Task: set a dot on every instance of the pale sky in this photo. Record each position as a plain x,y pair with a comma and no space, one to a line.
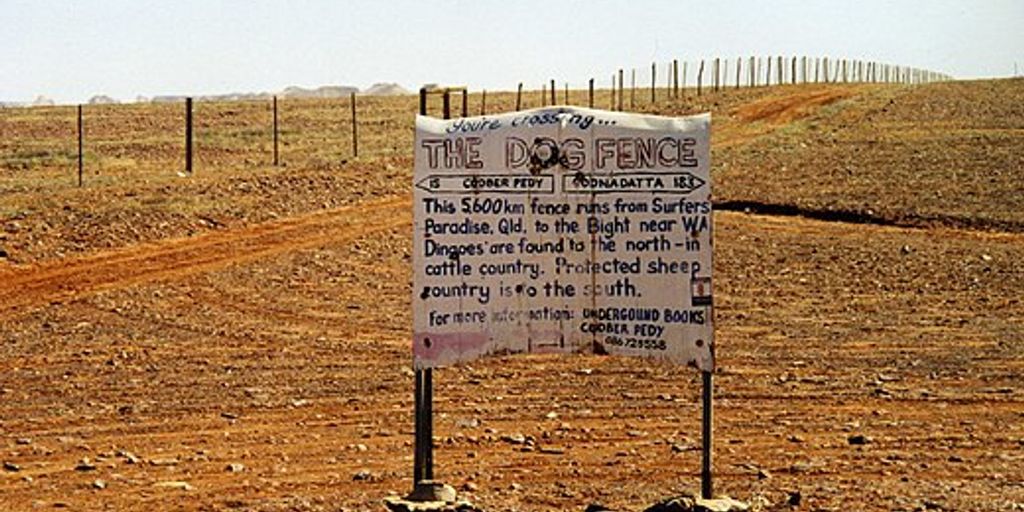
70,51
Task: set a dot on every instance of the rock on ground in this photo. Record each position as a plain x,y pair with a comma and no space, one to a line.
694,504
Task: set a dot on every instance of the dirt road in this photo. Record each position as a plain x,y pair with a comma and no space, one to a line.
69,279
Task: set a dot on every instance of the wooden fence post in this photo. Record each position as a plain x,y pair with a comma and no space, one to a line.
188,136
675,78
465,102
566,93
519,97
654,71
621,76
700,77
80,135
714,70
483,102
554,99
543,94
590,94
792,78
276,160
355,127
768,73
781,70
739,65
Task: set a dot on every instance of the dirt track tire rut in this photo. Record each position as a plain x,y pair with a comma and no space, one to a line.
60,280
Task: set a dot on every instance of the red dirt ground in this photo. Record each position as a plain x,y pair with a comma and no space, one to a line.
283,345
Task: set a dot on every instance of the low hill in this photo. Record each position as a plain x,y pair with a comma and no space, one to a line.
102,100
324,92
385,89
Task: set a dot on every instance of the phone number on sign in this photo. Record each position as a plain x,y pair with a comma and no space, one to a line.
638,343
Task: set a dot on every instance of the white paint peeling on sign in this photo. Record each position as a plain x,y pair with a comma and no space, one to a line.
562,229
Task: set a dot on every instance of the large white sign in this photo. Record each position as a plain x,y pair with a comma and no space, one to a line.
562,230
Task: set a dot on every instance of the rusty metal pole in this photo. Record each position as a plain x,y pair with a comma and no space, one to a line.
620,89
355,127
275,160
675,78
417,465
80,135
428,373
418,449
654,84
188,136
700,77
428,424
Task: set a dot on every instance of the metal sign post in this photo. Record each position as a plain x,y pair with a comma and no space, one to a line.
706,486
423,457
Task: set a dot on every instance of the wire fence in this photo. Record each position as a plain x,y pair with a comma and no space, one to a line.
103,144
